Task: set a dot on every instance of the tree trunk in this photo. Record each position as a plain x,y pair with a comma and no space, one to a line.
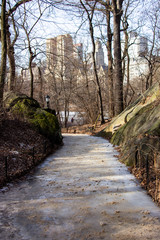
66,113
10,52
31,58
98,84
41,86
32,76
150,74
117,11
4,50
126,66
128,81
11,59
110,62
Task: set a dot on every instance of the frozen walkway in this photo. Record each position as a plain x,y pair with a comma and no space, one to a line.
81,192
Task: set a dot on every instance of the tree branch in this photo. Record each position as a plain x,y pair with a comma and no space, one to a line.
13,9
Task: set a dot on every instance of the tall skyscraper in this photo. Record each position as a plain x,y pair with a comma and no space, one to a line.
99,54
59,51
138,45
51,52
137,50
78,52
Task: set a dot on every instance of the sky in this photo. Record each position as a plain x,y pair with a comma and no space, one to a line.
56,22
60,22
52,24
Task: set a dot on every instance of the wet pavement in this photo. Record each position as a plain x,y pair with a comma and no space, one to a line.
80,192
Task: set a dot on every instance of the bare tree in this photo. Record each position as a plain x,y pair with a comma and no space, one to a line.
4,50
60,76
117,13
28,29
114,7
126,57
84,96
152,56
5,38
90,14
106,10
110,59
11,55
11,42
129,9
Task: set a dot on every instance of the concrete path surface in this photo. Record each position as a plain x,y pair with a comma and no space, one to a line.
81,192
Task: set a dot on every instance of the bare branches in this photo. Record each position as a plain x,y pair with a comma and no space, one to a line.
90,14
13,9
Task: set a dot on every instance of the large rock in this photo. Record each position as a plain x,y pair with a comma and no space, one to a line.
146,121
138,128
27,109
138,134
148,97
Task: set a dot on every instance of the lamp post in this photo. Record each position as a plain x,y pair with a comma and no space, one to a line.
47,100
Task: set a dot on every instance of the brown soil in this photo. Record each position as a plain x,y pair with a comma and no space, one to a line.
149,185
90,129
21,148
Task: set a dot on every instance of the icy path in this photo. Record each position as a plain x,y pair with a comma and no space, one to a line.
79,193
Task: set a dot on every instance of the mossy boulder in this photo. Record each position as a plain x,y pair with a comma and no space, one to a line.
138,128
47,124
28,109
145,122
141,132
12,97
139,139
23,107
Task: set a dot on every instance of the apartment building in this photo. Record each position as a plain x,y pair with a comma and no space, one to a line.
59,52
78,52
99,54
138,49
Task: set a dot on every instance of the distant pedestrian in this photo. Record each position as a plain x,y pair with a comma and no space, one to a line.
72,120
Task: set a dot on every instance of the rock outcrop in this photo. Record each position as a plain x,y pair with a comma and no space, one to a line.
140,120
137,131
28,109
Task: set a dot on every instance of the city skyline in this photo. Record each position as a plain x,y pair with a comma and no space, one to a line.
61,49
